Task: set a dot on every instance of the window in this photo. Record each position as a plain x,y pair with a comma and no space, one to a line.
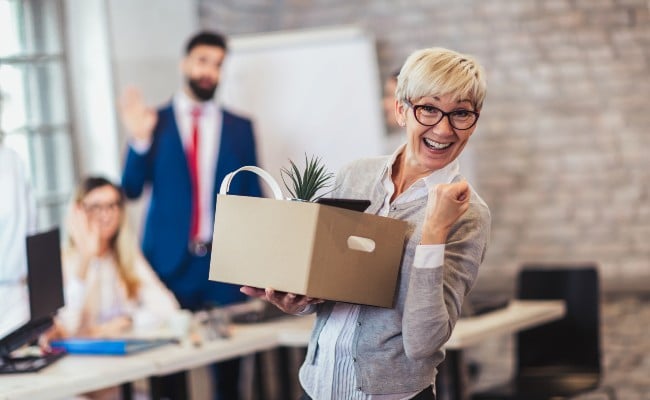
34,103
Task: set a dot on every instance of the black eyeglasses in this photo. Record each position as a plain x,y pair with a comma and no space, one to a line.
97,208
430,116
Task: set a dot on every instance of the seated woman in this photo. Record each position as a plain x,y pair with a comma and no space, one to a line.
109,286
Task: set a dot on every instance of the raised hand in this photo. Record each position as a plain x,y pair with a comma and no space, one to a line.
138,119
290,303
85,235
447,203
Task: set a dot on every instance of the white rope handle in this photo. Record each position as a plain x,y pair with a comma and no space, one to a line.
270,181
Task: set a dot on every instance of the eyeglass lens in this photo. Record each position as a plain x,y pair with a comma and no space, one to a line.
430,116
98,207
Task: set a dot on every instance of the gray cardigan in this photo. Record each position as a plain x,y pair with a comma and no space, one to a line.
398,349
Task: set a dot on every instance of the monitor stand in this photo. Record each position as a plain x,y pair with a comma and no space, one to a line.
17,365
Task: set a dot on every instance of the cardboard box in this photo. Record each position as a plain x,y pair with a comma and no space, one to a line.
307,248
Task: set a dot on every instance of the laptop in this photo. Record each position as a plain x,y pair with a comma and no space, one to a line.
44,293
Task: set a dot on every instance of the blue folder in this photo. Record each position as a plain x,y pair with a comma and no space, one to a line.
108,346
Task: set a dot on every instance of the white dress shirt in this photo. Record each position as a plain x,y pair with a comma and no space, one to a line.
210,123
209,140
17,220
332,377
102,295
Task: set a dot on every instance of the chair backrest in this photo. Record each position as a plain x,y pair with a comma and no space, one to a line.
572,343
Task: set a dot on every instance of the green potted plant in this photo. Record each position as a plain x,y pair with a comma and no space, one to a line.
307,184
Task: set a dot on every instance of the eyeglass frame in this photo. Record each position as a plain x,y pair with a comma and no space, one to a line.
98,208
444,114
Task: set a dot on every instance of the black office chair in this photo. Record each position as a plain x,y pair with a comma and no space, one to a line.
560,359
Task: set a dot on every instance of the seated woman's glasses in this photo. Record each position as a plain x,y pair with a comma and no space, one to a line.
96,208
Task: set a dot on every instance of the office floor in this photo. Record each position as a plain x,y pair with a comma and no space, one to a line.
625,343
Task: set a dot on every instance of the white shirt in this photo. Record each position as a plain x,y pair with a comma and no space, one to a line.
17,220
209,140
210,123
102,295
333,375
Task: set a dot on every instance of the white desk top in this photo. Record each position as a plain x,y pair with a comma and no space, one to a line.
169,359
519,315
78,374
75,374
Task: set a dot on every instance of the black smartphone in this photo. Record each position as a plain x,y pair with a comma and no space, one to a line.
349,204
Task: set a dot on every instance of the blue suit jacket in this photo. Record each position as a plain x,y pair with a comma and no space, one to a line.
164,167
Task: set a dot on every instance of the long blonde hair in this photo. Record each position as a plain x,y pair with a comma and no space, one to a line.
123,244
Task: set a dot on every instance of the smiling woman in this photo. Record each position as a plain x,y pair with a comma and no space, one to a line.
449,225
109,287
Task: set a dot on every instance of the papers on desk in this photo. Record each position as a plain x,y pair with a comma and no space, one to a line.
108,346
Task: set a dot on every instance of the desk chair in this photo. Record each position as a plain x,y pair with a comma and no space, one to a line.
560,359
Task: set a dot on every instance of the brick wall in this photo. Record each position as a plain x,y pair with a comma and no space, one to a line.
562,148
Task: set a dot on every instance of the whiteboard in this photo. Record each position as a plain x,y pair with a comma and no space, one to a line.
314,92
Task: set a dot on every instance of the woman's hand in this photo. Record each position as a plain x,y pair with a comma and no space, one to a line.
290,303
113,328
447,203
85,235
56,332
138,119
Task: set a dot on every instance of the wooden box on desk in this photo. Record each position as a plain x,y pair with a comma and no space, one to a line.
307,248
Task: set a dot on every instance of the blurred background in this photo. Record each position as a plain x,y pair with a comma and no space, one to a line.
560,153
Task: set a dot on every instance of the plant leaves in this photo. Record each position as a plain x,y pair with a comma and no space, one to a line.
307,183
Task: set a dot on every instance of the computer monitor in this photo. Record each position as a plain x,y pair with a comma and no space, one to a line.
41,294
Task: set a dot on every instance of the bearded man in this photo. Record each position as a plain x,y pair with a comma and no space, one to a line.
182,151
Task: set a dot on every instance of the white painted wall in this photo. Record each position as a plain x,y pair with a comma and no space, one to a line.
148,39
91,82
112,44
312,91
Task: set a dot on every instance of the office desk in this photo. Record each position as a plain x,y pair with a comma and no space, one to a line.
73,375
77,374
519,315
186,356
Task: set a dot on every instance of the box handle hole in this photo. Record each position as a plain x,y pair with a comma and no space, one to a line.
361,244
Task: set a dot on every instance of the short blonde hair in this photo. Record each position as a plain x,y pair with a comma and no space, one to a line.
437,71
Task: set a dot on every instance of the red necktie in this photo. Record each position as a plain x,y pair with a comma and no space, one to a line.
193,161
